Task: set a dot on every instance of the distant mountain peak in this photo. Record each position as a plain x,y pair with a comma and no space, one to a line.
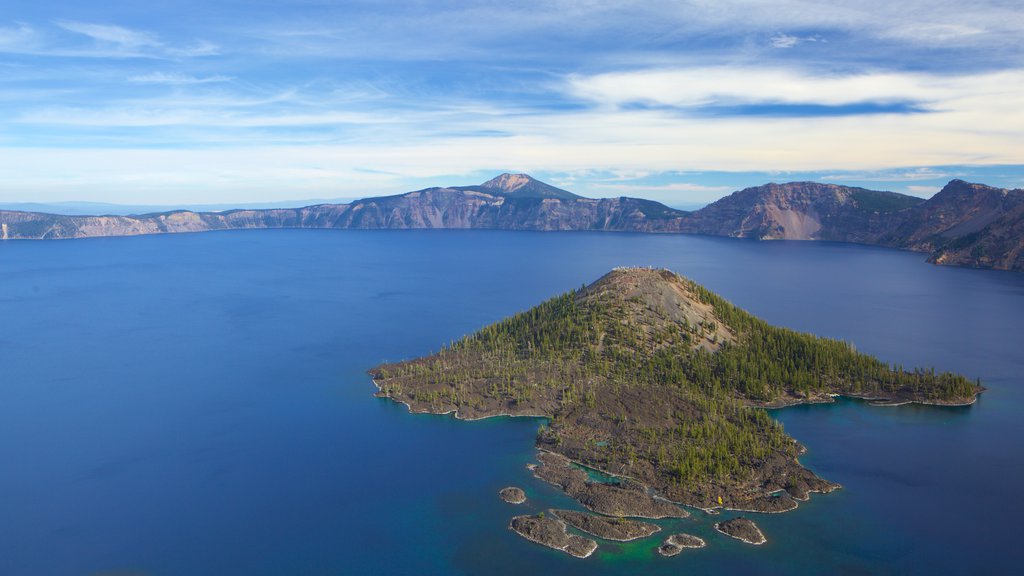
524,186
509,182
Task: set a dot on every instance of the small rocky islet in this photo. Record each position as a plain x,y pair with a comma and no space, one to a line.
550,531
742,529
512,495
676,543
662,386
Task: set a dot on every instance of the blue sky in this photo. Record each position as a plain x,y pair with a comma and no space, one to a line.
225,101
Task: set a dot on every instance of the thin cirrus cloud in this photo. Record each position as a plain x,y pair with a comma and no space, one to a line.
117,35
174,78
704,86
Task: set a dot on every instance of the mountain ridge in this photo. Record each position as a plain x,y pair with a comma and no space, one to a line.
964,224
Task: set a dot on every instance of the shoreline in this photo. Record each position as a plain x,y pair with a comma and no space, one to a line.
879,401
684,506
454,412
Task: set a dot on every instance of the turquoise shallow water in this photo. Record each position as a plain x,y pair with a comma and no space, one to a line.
198,404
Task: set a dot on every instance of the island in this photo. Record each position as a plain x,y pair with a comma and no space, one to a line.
605,527
657,382
743,530
549,531
512,495
676,543
655,392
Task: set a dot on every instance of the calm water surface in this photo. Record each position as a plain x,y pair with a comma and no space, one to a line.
198,404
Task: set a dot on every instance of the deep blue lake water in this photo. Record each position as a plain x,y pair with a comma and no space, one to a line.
198,404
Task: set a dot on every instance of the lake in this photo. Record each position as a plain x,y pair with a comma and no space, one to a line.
198,404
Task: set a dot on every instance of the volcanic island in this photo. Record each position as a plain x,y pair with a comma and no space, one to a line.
662,386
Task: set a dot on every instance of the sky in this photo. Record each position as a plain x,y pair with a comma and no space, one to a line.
231,101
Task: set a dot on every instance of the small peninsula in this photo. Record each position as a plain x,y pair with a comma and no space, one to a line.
661,385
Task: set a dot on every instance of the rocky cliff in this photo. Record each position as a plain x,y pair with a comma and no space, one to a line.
801,211
964,224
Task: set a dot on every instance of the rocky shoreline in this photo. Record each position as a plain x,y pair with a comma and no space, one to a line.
627,498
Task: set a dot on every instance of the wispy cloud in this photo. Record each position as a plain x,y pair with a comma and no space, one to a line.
17,37
729,85
783,40
175,78
119,36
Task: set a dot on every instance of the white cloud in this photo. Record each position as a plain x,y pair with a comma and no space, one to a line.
125,38
176,78
16,37
784,41
731,85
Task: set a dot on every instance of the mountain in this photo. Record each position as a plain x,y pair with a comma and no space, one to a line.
964,224
649,376
524,186
801,211
510,201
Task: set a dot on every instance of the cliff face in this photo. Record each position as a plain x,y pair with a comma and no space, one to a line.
999,244
801,211
958,211
510,202
964,224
